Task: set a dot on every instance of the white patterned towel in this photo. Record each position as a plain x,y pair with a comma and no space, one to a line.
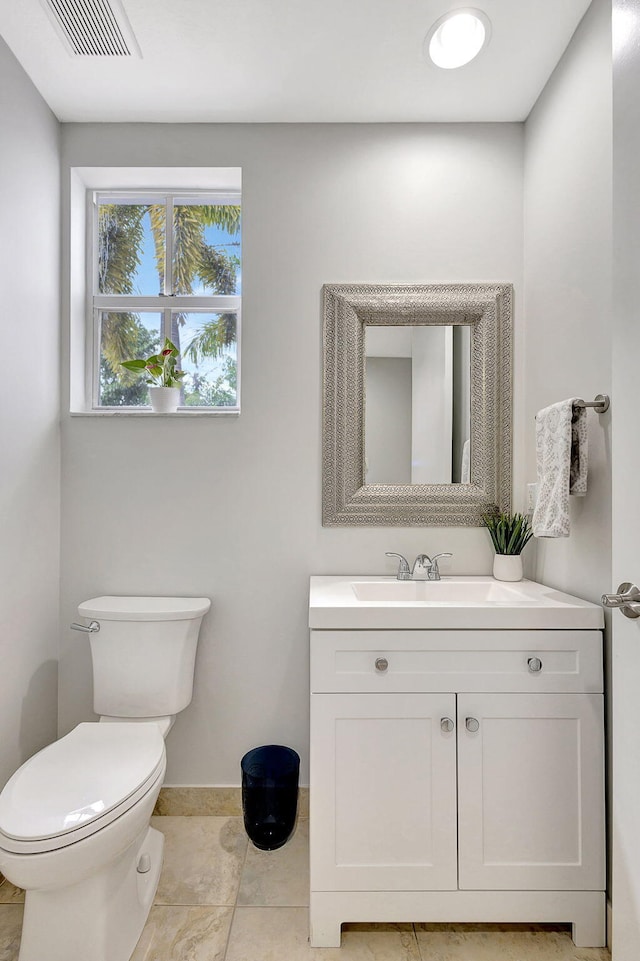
561,454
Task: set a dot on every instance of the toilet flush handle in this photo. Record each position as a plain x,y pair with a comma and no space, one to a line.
93,627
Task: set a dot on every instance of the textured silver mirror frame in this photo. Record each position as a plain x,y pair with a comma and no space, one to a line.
346,500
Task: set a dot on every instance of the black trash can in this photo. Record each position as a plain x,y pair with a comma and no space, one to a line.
270,794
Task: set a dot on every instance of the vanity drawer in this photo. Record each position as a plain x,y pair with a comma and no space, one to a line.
433,661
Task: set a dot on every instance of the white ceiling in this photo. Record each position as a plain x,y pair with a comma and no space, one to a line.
294,61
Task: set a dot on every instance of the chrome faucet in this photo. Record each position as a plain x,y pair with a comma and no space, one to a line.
422,568
425,568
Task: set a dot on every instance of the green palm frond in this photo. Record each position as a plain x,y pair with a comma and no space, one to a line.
158,220
218,271
226,216
120,339
120,235
213,338
188,234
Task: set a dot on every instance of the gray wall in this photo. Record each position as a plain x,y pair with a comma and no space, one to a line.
29,480
241,498
568,267
567,201
388,415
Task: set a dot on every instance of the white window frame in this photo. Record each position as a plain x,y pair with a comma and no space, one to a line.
166,302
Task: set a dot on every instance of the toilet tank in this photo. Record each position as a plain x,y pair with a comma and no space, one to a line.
144,653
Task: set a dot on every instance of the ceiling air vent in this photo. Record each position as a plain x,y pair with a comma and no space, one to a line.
93,28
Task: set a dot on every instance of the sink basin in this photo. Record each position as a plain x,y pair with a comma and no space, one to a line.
377,603
447,591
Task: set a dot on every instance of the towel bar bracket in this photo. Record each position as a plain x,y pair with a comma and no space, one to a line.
600,404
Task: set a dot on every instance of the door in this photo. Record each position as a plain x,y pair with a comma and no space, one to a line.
531,792
383,783
625,632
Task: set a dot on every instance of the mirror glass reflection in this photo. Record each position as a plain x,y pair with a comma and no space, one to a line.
417,404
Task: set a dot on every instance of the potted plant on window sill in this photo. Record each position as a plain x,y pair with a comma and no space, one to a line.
162,376
510,534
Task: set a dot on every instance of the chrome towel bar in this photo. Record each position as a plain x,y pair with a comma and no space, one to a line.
600,404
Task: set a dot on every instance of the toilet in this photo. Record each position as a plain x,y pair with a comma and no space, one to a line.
74,819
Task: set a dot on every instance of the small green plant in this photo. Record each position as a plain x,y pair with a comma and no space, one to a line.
510,533
159,368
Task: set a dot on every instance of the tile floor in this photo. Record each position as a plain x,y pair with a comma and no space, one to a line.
220,899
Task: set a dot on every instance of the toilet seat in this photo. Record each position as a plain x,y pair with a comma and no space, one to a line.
79,784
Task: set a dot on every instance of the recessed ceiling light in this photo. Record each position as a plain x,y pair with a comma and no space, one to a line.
457,37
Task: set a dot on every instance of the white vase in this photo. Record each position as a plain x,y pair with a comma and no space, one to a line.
164,400
507,567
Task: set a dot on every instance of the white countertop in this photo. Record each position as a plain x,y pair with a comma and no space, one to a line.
354,603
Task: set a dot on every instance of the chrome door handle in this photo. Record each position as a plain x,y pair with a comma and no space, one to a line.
627,599
446,725
381,664
534,664
472,724
93,628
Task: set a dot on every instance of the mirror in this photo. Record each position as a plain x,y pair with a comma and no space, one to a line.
417,404
417,412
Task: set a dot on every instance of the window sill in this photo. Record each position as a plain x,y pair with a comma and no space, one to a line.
151,413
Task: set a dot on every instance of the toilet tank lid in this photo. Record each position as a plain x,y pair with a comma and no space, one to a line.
144,608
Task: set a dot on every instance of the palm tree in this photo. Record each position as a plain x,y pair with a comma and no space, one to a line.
194,258
121,235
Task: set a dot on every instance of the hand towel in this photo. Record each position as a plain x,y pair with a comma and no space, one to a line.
561,454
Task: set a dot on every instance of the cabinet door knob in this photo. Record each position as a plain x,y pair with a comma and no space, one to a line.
472,724
446,725
381,664
535,665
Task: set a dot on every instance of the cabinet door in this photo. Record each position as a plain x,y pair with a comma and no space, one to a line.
531,791
383,792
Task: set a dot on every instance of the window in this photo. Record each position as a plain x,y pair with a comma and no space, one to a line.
166,265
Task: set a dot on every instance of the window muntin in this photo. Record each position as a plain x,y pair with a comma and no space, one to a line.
186,280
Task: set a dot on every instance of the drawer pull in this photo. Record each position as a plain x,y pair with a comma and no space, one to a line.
446,725
535,665
381,664
472,724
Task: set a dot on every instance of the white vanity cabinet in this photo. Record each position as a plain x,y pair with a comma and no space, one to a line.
457,775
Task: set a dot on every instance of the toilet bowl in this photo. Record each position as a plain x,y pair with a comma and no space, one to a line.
74,819
74,832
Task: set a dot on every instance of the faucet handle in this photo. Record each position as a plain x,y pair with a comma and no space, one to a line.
404,572
434,561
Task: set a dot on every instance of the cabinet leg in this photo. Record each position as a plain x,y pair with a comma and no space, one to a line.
590,930
325,930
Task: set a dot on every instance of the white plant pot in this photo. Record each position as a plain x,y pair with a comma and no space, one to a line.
507,567
164,400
